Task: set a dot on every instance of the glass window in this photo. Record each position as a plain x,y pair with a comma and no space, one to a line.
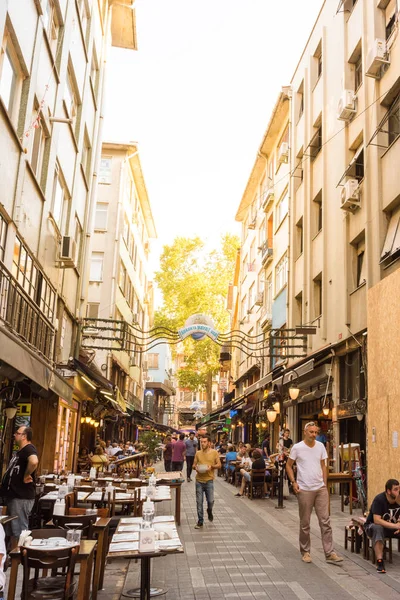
152,361
358,73
10,78
282,208
78,239
101,216
122,277
51,24
281,274
96,266
3,236
70,98
105,169
86,154
38,145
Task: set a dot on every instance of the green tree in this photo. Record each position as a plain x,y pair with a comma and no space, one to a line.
193,279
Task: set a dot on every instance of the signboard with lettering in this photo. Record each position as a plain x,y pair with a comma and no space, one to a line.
345,410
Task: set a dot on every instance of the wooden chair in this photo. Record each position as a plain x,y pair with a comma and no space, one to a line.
60,586
71,500
100,512
256,483
83,522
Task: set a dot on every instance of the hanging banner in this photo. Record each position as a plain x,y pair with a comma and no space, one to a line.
198,326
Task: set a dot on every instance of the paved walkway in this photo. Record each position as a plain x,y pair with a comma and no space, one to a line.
251,551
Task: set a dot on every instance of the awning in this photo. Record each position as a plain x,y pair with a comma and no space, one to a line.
165,389
356,163
258,384
392,239
214,416
97,378
60,387
20,357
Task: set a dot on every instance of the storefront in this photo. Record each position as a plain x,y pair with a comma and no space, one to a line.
66,438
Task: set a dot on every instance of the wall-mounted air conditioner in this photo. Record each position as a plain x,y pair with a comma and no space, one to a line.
346,105
376,57
350,196
283,152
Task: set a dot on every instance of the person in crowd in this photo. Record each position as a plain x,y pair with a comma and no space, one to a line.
18,485
168,453
286,440
109,447
205,463
178,453
383,520
100,459
257,463
230,455
83,460
246,461
191,449
265,446
116,450
312,491
174,438
222,448
321,437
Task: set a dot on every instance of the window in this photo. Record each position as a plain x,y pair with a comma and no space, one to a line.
122,277
86,155
251,297
243,308
70,97
92,310
282,208
360,263
355,169
105,169
10,78
300,101
84,15
60,202
126,231
317,213
317,64
152,361
268,294
352,377
78,239
262,234
32,279
358,73
252,253
390,17
317,289
299,309
3,236
281,274
299,237
96,266
94,72
101,216
391,247
315,144
51,24
38,145
393,121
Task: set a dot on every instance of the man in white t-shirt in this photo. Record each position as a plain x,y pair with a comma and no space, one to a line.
312,492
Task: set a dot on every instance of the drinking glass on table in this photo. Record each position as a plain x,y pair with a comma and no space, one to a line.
124,486
70,535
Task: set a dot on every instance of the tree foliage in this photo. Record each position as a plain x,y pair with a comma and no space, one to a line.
193,279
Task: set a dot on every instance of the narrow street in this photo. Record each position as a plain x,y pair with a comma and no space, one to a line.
251,551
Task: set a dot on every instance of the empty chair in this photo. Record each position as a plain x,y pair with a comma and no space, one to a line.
60,586
83,522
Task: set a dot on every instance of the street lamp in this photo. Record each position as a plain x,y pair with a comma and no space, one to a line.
271,414
294,391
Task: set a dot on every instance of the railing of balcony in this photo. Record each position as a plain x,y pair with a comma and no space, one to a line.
133,400
23,316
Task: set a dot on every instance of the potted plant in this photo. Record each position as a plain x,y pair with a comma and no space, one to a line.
151,441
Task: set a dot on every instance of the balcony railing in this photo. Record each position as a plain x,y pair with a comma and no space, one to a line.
267,252
133,400
23,316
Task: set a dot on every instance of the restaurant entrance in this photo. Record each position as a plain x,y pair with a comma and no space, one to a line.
67,422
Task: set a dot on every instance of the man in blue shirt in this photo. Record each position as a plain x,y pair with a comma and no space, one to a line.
230,455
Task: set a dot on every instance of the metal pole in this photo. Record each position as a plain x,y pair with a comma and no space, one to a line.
281,459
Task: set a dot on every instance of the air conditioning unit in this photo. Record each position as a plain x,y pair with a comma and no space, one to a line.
283,153
259,299
68,249
346,105
350,196
268,198
376,57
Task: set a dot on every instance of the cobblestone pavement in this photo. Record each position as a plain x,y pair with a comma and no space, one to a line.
251,551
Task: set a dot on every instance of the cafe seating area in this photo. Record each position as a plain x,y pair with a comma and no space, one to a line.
80,522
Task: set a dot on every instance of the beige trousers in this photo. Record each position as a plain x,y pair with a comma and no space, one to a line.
319,500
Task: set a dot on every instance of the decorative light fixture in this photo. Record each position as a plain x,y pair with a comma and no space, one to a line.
96,424
294,393
88,419
10,411
83,420
233,426
325,410
271,414
263,425
91,421
258,425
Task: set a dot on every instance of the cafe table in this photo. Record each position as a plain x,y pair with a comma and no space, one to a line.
84,558
174,480
341,479
128,548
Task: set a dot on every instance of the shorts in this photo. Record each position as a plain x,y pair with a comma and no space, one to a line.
246,476
21,508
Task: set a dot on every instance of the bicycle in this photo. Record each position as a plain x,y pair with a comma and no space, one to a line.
359,478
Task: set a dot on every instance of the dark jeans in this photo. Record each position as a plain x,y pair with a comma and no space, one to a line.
189,465
168,465
206,488
177,465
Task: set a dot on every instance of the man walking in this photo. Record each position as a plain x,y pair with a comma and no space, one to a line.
383,520
18,485
191,449
205,461
311,490
178,453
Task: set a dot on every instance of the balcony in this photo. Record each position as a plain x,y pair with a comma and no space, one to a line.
20,313
267,252
268,199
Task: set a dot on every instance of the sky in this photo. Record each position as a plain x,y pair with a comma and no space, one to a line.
197,96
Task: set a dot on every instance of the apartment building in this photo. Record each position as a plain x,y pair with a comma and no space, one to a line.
343,228
159,396
261,298
52,68
119,291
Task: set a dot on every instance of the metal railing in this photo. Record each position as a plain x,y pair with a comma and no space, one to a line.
23,316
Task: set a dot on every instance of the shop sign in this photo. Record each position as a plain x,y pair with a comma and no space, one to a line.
225,429
345,410
228,421
71,403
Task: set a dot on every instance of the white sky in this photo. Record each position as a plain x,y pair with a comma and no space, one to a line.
197,95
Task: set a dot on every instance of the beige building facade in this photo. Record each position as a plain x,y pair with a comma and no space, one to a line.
52,69
120,293
343,219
